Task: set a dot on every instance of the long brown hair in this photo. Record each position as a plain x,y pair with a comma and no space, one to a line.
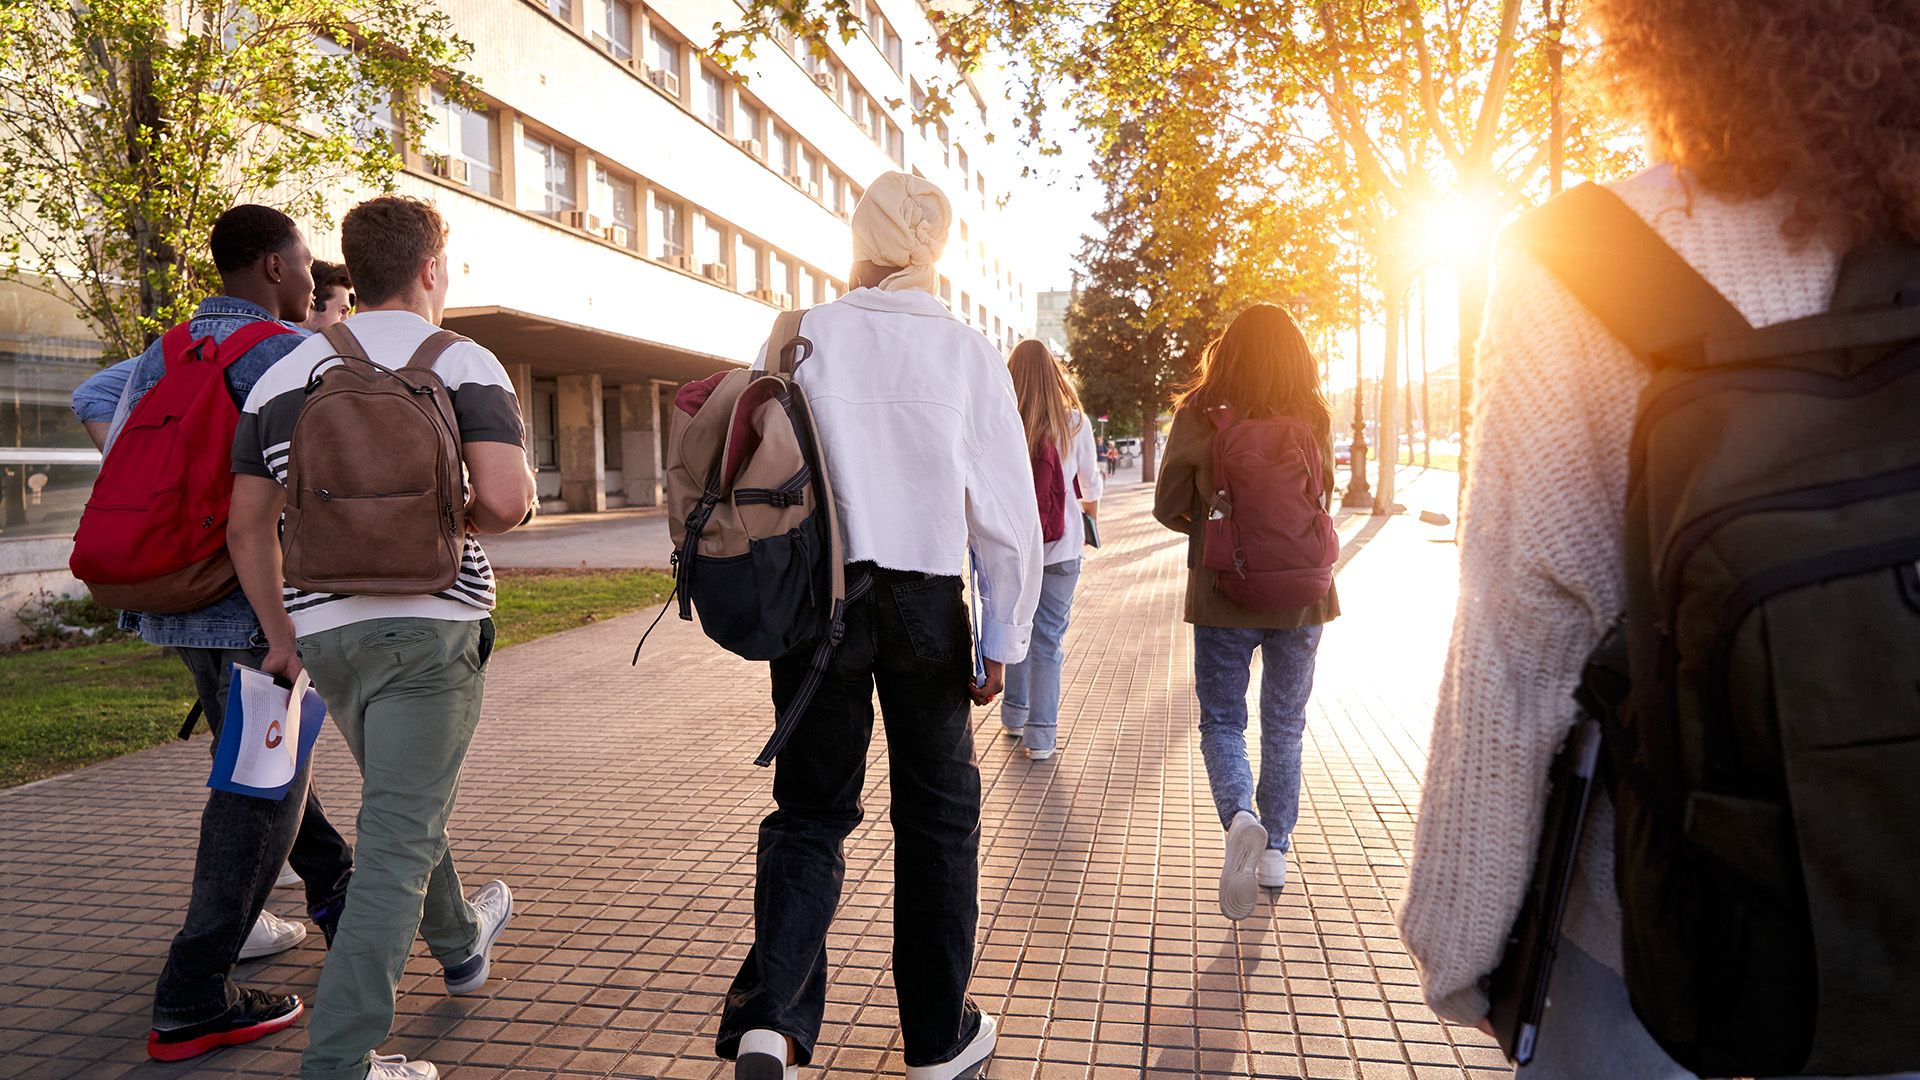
1818,99
1262,367
1046,397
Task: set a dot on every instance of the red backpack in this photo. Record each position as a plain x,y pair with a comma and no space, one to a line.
1269,541
153,537
1050,491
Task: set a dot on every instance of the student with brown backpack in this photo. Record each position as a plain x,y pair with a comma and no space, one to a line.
358,439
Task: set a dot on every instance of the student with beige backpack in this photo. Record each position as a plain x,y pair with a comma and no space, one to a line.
358,438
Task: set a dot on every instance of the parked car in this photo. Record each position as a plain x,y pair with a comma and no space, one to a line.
1343,453
1129,450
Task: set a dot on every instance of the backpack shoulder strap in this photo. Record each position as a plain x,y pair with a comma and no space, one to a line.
786,327
345,343
175,344
437,342
1620,269
242,341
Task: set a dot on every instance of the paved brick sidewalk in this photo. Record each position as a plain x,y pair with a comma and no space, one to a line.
621,804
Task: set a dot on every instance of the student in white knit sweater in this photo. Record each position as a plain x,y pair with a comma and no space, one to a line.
1777,159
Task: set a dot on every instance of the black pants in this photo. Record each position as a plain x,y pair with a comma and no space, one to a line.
908,638
243,841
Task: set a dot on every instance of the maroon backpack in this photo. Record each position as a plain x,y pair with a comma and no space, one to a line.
1049,491
1269,541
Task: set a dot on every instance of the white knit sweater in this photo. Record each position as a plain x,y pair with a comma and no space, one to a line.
1541,577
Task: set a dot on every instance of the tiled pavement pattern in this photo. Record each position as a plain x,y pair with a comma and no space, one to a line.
621,804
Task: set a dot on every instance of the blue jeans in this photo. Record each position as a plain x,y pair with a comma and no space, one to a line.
1033,685
1222,664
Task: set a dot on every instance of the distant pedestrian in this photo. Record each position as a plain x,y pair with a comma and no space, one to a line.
1059,439
917,421
1784,135
1259,370
402,672
332,295
1113,457
197,1007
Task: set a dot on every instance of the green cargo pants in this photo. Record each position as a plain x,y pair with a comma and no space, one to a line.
405,694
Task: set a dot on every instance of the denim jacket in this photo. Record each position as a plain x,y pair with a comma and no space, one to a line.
229,622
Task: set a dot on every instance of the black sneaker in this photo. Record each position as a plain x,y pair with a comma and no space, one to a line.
258,1014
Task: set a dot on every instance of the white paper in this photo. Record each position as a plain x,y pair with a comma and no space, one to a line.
270,735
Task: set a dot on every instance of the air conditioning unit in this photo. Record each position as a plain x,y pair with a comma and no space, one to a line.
845,214
616,233
813,191
714,272
665,80
824,80
574,219
798,180
769,296
635,65
451,168
752,146
785,38
682,262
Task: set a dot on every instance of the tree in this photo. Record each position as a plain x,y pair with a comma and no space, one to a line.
130,125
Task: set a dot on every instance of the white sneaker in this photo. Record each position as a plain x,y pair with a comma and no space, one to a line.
271,934
1010,732
1038,755
763,1056
288,876
1273,869
397,1067
967,1062
494,905
1246,839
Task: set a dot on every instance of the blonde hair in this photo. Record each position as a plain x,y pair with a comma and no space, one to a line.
1048,403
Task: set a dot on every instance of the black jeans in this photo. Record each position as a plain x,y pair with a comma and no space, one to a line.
907,637
243,841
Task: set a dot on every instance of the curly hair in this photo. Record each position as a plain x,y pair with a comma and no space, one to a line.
1817,99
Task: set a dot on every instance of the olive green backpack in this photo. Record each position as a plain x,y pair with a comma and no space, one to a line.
1766,761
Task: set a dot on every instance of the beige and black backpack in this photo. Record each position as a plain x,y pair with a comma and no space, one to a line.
756,539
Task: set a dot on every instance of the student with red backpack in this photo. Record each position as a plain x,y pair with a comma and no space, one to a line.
1066,475
168,567
1249,465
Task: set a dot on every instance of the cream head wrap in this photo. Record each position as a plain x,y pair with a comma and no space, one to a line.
902,221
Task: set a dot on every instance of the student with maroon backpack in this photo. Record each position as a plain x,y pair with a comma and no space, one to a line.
179,401
1249,465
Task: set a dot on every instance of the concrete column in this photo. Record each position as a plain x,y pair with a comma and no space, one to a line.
509,127
641,443
522,377
582,444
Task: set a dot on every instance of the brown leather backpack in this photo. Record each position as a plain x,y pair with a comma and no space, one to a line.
376,500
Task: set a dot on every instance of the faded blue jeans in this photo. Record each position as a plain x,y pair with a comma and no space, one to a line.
1222,665
1033,685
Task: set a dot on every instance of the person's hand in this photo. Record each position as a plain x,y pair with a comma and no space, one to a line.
996,681
283,661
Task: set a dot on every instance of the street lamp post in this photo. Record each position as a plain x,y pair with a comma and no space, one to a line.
1358,494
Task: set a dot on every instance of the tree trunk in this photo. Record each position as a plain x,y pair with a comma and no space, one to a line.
1357,494
1149,438
145,126
1389,390
1426,401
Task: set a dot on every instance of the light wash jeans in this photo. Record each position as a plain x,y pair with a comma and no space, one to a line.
1589,1030
1222,665
1032,706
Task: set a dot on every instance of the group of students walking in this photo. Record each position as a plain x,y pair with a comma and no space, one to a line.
942,457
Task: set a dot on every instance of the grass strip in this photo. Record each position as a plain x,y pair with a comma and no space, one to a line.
66,708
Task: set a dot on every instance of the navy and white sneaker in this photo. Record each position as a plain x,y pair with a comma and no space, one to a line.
494,905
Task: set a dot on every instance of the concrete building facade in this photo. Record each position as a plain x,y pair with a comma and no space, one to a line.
625,216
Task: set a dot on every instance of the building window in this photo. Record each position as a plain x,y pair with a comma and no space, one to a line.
895,50
746,265
918,99
946,292
562,9
460,140
946,150
546,453
897,146
615,203
546,176
713,99
966,308
806,166
779,149
980,185
669,223
966,178
666,54
616,30
710,242
777,273
746,119
804,294
610,425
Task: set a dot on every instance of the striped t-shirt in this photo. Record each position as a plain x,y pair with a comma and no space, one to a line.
485,410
